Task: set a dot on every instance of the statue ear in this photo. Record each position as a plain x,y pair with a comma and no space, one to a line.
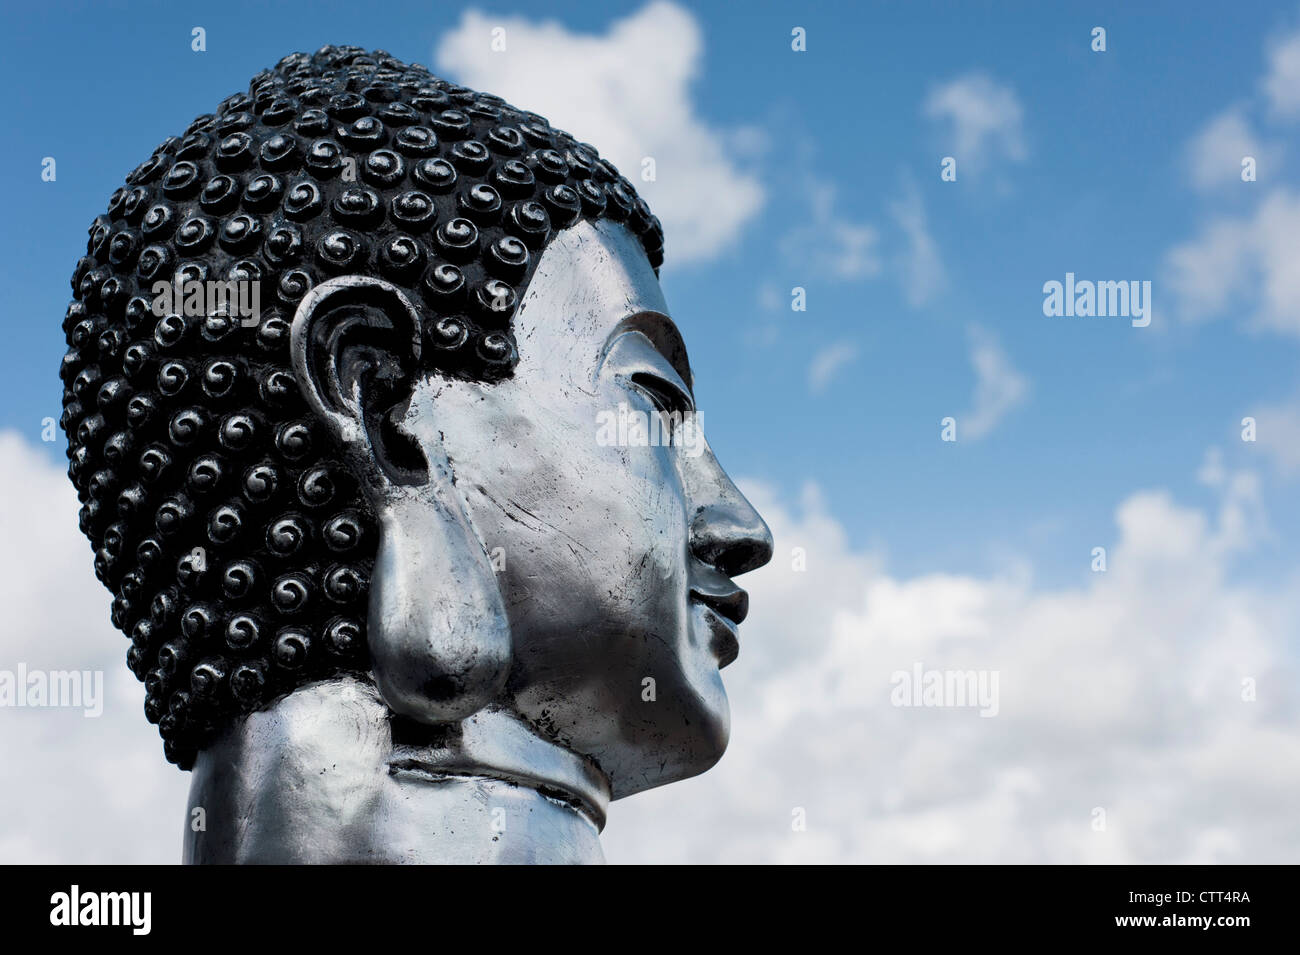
437,627
355,347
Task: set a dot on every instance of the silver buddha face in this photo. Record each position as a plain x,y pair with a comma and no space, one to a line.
614,559
549,608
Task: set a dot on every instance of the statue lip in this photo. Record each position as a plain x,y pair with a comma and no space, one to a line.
728,605
730,602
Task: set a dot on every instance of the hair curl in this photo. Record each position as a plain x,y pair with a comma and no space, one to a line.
235,541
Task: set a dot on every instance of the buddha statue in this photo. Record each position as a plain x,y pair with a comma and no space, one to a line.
341,361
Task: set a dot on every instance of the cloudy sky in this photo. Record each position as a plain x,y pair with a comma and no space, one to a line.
1157,697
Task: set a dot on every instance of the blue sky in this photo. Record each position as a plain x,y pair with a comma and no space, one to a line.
821,169
1101,190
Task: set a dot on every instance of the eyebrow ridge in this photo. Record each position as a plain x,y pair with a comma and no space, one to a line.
664,335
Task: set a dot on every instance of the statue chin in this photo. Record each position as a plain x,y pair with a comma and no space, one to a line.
431,560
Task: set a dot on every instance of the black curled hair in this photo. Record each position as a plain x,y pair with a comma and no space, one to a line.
236,543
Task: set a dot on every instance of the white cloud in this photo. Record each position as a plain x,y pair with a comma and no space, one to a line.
72,789
628,93
840,248
984,120
1282,82
999,387
1277,434
919,267
1215,153
847,250
1243,264
828,363
1123,693
771,299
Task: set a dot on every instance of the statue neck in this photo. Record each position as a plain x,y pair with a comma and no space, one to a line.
326,774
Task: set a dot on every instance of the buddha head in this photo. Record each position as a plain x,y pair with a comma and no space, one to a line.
371,374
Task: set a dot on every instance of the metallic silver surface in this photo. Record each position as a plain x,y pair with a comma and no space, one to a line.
549,610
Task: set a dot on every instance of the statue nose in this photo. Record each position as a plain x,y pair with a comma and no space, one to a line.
730,535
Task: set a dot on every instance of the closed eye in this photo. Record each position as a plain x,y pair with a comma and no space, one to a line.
634,359
665,394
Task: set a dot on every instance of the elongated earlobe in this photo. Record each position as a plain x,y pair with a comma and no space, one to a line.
438,632
437,629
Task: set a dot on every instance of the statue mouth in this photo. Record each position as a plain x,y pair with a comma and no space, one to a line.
725,607
724,639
